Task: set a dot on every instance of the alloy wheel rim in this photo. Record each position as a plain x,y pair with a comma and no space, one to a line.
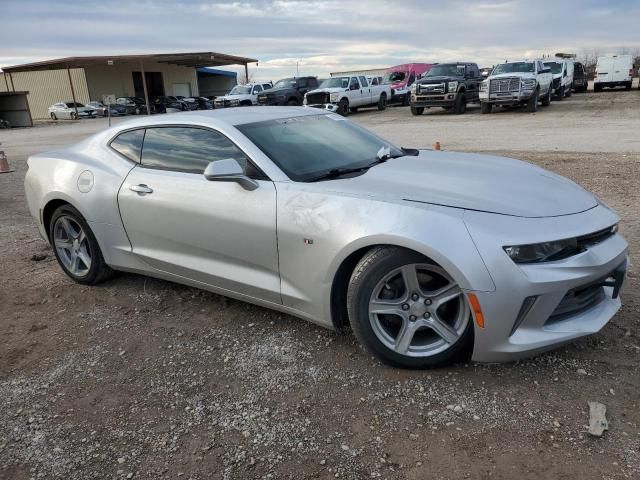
418,310
72,246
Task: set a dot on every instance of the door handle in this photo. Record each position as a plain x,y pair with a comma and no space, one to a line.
142,189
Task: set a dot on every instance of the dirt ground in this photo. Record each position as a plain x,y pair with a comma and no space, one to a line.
141,378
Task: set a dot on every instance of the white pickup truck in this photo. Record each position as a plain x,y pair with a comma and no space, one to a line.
346,94
242,95
524,82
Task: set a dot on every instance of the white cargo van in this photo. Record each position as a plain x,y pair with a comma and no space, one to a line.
562,70
613,71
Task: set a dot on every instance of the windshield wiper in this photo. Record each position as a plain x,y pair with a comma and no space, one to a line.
338,172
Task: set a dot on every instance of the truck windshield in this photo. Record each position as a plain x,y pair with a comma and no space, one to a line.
525,67
335,82
310,146
395,77
446,71
554,66
285,83
240,90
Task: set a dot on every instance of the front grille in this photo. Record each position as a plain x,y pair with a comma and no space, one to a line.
431,88
268,99
317,98
577,301
504,85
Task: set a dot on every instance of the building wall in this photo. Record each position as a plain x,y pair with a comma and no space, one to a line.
118,79
372,72
47,87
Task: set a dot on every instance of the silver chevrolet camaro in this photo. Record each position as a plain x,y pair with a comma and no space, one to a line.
428,256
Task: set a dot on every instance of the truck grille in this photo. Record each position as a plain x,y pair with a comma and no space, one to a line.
431,89
317,98
504,85
267,99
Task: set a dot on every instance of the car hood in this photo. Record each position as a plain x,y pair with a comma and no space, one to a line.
473,182
329,90
512,75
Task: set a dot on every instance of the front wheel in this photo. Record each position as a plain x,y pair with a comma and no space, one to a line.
53,116
417,110
460,105
546,101
485,107
293,103
406,101
560,94
382,102
408,311
343,107
532,103
76,248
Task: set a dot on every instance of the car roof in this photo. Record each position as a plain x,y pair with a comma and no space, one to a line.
231,116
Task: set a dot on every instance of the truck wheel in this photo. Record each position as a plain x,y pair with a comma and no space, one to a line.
532,103
560,94
568,93
382,102
628,86
53,116
343,107
292,103
406,101
597,88
417,110
546,101
461,104
485,107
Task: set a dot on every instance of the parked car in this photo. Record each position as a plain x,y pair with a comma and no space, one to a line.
346,94
447,85
402,77
202,102
102,110
4,123
427,255
517,83
134,105
580,79
288,91
242,95
70,110
562,72
613,71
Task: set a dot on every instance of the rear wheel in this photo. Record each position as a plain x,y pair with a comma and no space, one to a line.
460,105
74,116
382,102
485,107
76,248
343,107
417,110
532,103
408,311
628,86
53,116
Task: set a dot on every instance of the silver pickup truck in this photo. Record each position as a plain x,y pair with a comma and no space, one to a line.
346,94
521,83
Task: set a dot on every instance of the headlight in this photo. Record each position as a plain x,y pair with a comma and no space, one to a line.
453,86
414,88
528,83
484,86
543,252
334,97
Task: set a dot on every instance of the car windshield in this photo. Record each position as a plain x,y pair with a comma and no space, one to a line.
285,83
310,146
74,105
240,90
446,71
395,77
520,67
554,66
335,82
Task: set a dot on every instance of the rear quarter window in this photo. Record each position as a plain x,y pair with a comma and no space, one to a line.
129,144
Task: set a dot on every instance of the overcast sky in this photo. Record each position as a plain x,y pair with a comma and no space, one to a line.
321,36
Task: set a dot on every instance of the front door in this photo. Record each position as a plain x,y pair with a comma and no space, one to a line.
212,232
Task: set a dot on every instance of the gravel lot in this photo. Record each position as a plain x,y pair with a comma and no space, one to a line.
141,378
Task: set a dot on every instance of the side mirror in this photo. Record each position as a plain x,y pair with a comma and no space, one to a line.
229,170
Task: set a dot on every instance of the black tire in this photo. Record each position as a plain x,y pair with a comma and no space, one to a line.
628,86
246,103
532,103
353,110
485,107
53,116
560,94
406,101
382,102
460,106
343,107
546,101
99,271
368,272
292,102
137,111
568,93
417,110
74,116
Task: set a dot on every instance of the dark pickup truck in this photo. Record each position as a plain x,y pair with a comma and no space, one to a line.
288,91
447,85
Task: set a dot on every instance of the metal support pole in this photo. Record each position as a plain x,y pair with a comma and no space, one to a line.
73,93
144,86
6,82
13,87
246,72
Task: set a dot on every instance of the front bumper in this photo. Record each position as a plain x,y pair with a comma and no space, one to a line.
332,107
436,100
506,98
537,307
